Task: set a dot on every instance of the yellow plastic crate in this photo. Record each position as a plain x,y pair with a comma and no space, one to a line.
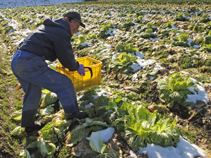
83,82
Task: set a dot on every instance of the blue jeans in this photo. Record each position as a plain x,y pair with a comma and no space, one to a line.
33,73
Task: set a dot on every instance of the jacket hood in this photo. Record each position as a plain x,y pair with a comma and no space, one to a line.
61,22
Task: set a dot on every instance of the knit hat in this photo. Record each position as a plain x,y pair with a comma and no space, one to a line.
74,15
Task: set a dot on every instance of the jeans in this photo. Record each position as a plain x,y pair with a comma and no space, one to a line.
33,73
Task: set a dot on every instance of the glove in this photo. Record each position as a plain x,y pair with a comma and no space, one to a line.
81,70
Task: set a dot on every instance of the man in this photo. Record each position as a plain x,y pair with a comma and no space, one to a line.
50,42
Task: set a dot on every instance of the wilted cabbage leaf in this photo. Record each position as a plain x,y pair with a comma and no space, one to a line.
45,148
17,115
17,131
47,111
61,127
82,131
48,98
48,133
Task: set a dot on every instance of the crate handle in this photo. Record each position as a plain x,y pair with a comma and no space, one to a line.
90,70
84,67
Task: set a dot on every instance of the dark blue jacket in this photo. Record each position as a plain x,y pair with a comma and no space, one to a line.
52,41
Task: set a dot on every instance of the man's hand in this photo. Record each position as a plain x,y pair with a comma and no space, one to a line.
81,70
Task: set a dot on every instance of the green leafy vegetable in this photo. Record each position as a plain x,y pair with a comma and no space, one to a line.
124,59
175,89
129,48
92,36
48,133
183,37
139,126
167,25
207,39
81,40
180,17
128,23
181,40
104,29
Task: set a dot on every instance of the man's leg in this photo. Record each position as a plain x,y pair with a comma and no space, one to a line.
31,98
33,69
30,103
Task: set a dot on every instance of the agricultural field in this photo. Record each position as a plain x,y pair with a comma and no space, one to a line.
154,100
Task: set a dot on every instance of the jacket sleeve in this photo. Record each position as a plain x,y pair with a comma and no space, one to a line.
64,52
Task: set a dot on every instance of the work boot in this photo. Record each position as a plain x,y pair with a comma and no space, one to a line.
33,131
78,115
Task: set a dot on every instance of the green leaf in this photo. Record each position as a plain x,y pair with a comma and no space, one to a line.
152,117
96,143
48,133
141,113
173,125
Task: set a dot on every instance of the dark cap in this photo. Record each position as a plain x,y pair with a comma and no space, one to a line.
76,16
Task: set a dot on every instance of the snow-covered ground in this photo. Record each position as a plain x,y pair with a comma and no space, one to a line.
22,3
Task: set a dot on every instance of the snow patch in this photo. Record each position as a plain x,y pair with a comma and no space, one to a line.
183,150
199,94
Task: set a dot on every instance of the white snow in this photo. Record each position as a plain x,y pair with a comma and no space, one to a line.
142,63
21,3
136,67
86,44
199,94
117,31
173,27
183,150
154,38
105,135
107,45
109,32
135,78
102,93
196,46
138,54
89,105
